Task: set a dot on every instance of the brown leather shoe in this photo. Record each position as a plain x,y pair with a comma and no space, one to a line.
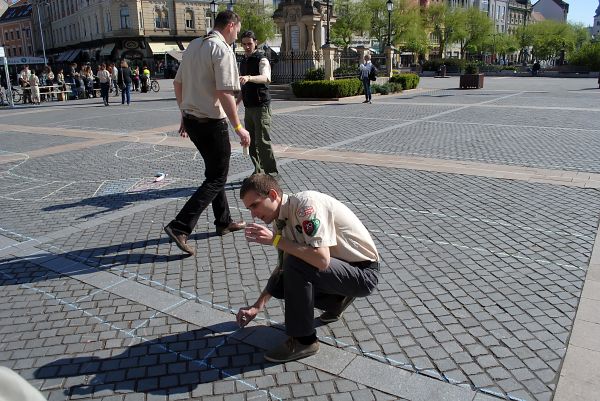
180,240
233,226
330,316
290,350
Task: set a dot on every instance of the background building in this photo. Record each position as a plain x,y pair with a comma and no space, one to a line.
596,26
141,31
16,31
556,10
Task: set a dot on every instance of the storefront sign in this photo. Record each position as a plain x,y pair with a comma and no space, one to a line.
25,60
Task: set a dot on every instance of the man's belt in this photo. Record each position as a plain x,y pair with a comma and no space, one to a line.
203,120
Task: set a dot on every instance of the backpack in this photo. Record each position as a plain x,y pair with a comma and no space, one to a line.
373,73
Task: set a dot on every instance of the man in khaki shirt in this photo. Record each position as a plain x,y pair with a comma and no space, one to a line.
327,258
204,88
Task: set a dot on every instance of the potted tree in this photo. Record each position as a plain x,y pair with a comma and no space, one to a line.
471,79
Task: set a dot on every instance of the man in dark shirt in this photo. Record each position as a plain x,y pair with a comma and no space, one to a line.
255,76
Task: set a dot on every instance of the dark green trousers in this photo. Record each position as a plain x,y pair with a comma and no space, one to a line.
258,123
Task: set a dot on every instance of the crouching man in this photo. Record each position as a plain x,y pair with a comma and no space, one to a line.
326,259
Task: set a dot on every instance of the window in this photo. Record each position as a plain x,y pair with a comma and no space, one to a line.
157,19
189,19
97,25
18,34
107,22
165,19
28,32
12,35
20,51
124,13
30,49
141,19
5,35
8,52
208,20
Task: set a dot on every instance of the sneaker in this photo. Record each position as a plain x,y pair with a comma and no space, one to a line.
334,315
366,101
290,350
180,240
370,102
231,227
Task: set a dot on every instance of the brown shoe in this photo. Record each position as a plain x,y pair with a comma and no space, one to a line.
180,240
233,226
335,314
290,350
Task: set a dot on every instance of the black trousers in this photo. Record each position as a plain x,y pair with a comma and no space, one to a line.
212,141
304,288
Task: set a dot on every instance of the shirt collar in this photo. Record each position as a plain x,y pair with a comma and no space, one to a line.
283,209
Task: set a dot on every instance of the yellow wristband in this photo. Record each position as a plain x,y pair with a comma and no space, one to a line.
237,127
276,240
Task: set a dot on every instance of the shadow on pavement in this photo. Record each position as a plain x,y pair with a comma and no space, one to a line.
115,201
172,364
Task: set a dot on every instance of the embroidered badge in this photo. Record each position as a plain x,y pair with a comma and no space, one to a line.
305,211
311,226
299,228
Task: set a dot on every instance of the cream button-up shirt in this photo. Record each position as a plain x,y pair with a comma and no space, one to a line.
319,220
208,65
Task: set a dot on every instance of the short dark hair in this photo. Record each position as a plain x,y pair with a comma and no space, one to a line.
249,34
225,17
261,184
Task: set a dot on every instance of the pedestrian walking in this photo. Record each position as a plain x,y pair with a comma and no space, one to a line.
255,78
327,258
367,70
204,88
124,76
34,85
104,78
24,83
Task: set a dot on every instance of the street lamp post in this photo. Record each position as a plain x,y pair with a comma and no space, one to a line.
213,9
230,5
390,6
329,8
37,8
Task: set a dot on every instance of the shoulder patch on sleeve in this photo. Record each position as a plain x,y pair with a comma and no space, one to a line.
305,211
311,227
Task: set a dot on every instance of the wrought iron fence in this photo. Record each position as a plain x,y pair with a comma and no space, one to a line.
292,66
346,64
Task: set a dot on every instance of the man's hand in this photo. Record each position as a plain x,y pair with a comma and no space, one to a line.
244,79
246,315
257,233
244,137
182,130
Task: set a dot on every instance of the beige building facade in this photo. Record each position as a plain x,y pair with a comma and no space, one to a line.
142,31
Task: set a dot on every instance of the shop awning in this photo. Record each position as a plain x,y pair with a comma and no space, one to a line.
73,55
176,54
162,47
107,49
63,56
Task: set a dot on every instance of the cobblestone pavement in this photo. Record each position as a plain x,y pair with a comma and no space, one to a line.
481,277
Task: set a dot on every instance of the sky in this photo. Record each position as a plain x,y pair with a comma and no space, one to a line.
582,11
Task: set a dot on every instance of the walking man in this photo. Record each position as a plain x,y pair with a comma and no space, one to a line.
327,258
204,89
255,78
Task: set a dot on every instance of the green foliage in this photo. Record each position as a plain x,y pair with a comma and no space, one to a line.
314,74
257,19
471,68
451,64
406,81
587,56
549,38
475,27
346,70
352,18
387,88
327,89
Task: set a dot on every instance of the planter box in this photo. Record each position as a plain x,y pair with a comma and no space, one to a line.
471,81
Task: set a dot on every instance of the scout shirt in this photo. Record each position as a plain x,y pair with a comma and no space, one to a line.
208,64
318,220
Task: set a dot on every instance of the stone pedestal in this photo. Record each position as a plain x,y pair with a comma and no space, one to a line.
389,58
328,55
